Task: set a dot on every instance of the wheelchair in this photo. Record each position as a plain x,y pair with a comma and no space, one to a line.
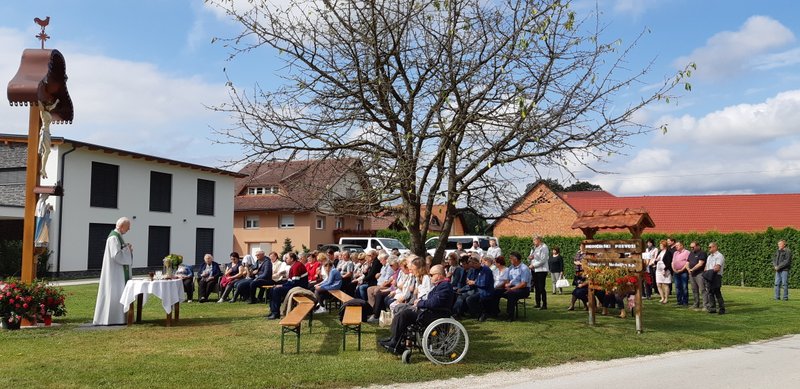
444,341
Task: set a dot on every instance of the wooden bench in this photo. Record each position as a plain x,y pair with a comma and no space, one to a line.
267,292
351,322
292,321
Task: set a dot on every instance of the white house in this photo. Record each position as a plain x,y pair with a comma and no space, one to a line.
175,207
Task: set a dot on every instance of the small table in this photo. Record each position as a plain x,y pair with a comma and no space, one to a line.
169,291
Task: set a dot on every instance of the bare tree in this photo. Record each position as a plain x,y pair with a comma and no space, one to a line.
457,102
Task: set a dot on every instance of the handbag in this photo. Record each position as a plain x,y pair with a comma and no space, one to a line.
386,318
562,283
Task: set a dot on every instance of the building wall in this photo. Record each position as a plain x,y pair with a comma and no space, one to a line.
541,212
134,202
269,232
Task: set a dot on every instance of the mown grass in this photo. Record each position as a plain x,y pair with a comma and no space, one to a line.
232,345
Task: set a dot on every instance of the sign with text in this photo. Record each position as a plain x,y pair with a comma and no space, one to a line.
613,246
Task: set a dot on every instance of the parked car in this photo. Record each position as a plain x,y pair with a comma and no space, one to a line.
466,241
375,243
353,248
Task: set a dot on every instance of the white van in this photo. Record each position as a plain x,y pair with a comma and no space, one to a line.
466,242
376,243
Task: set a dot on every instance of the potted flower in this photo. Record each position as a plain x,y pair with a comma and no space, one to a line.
171,263
16,303
51,303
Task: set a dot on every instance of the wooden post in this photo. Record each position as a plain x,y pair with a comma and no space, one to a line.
592,305
638,308
31,181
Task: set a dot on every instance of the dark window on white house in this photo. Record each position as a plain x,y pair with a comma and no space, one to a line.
104,186
205,197
157,245
160,192
204,244
12,176
98,234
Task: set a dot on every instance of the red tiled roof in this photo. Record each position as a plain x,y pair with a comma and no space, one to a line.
613,218
302,183
585,195
721,213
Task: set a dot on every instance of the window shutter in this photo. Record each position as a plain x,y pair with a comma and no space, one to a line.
157,245
104,185
98,234
204,244
160,192
205,197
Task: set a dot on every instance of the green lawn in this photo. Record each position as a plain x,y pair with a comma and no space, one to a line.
232,345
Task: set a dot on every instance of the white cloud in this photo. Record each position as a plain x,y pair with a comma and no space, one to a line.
125,104
728,53
778,60
635,7
742,124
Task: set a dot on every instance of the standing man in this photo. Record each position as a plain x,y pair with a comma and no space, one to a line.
782,263
494,250
715,265
680,270
115,273
697,264
476,248
539,258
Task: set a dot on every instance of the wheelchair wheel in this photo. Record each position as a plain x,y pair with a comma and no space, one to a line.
445,341
406,357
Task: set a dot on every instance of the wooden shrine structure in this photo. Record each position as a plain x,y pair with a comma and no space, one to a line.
41,83
626,253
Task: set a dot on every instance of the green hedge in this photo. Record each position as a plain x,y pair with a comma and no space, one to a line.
748,256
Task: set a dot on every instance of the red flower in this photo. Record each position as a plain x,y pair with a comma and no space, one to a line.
11,301
25,305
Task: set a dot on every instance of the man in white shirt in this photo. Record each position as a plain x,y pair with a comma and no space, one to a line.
539,258
715,266
476,248
494,250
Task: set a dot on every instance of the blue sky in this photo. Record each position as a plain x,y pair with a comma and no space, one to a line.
142,74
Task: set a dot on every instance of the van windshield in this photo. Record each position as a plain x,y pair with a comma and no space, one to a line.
392,244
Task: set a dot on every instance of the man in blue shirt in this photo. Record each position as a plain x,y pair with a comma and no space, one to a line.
519,284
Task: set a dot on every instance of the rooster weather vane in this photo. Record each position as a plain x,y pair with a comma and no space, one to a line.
43,24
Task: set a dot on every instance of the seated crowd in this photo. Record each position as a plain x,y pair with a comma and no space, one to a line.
392,284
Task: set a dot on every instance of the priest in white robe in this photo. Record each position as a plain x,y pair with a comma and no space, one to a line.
116,271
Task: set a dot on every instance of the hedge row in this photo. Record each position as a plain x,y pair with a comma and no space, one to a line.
748,256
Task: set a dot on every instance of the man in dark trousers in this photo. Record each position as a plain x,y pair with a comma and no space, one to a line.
263,277
424,312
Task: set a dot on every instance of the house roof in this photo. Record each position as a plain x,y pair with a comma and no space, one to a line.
302,183
635,220
581,195
387,218
700,213
17,138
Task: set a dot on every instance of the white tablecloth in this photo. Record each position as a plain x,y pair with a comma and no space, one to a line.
169,291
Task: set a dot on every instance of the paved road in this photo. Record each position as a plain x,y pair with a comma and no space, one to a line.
768,364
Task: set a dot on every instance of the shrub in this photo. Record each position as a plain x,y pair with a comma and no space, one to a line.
748,256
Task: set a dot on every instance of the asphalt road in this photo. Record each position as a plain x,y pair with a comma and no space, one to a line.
768,364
